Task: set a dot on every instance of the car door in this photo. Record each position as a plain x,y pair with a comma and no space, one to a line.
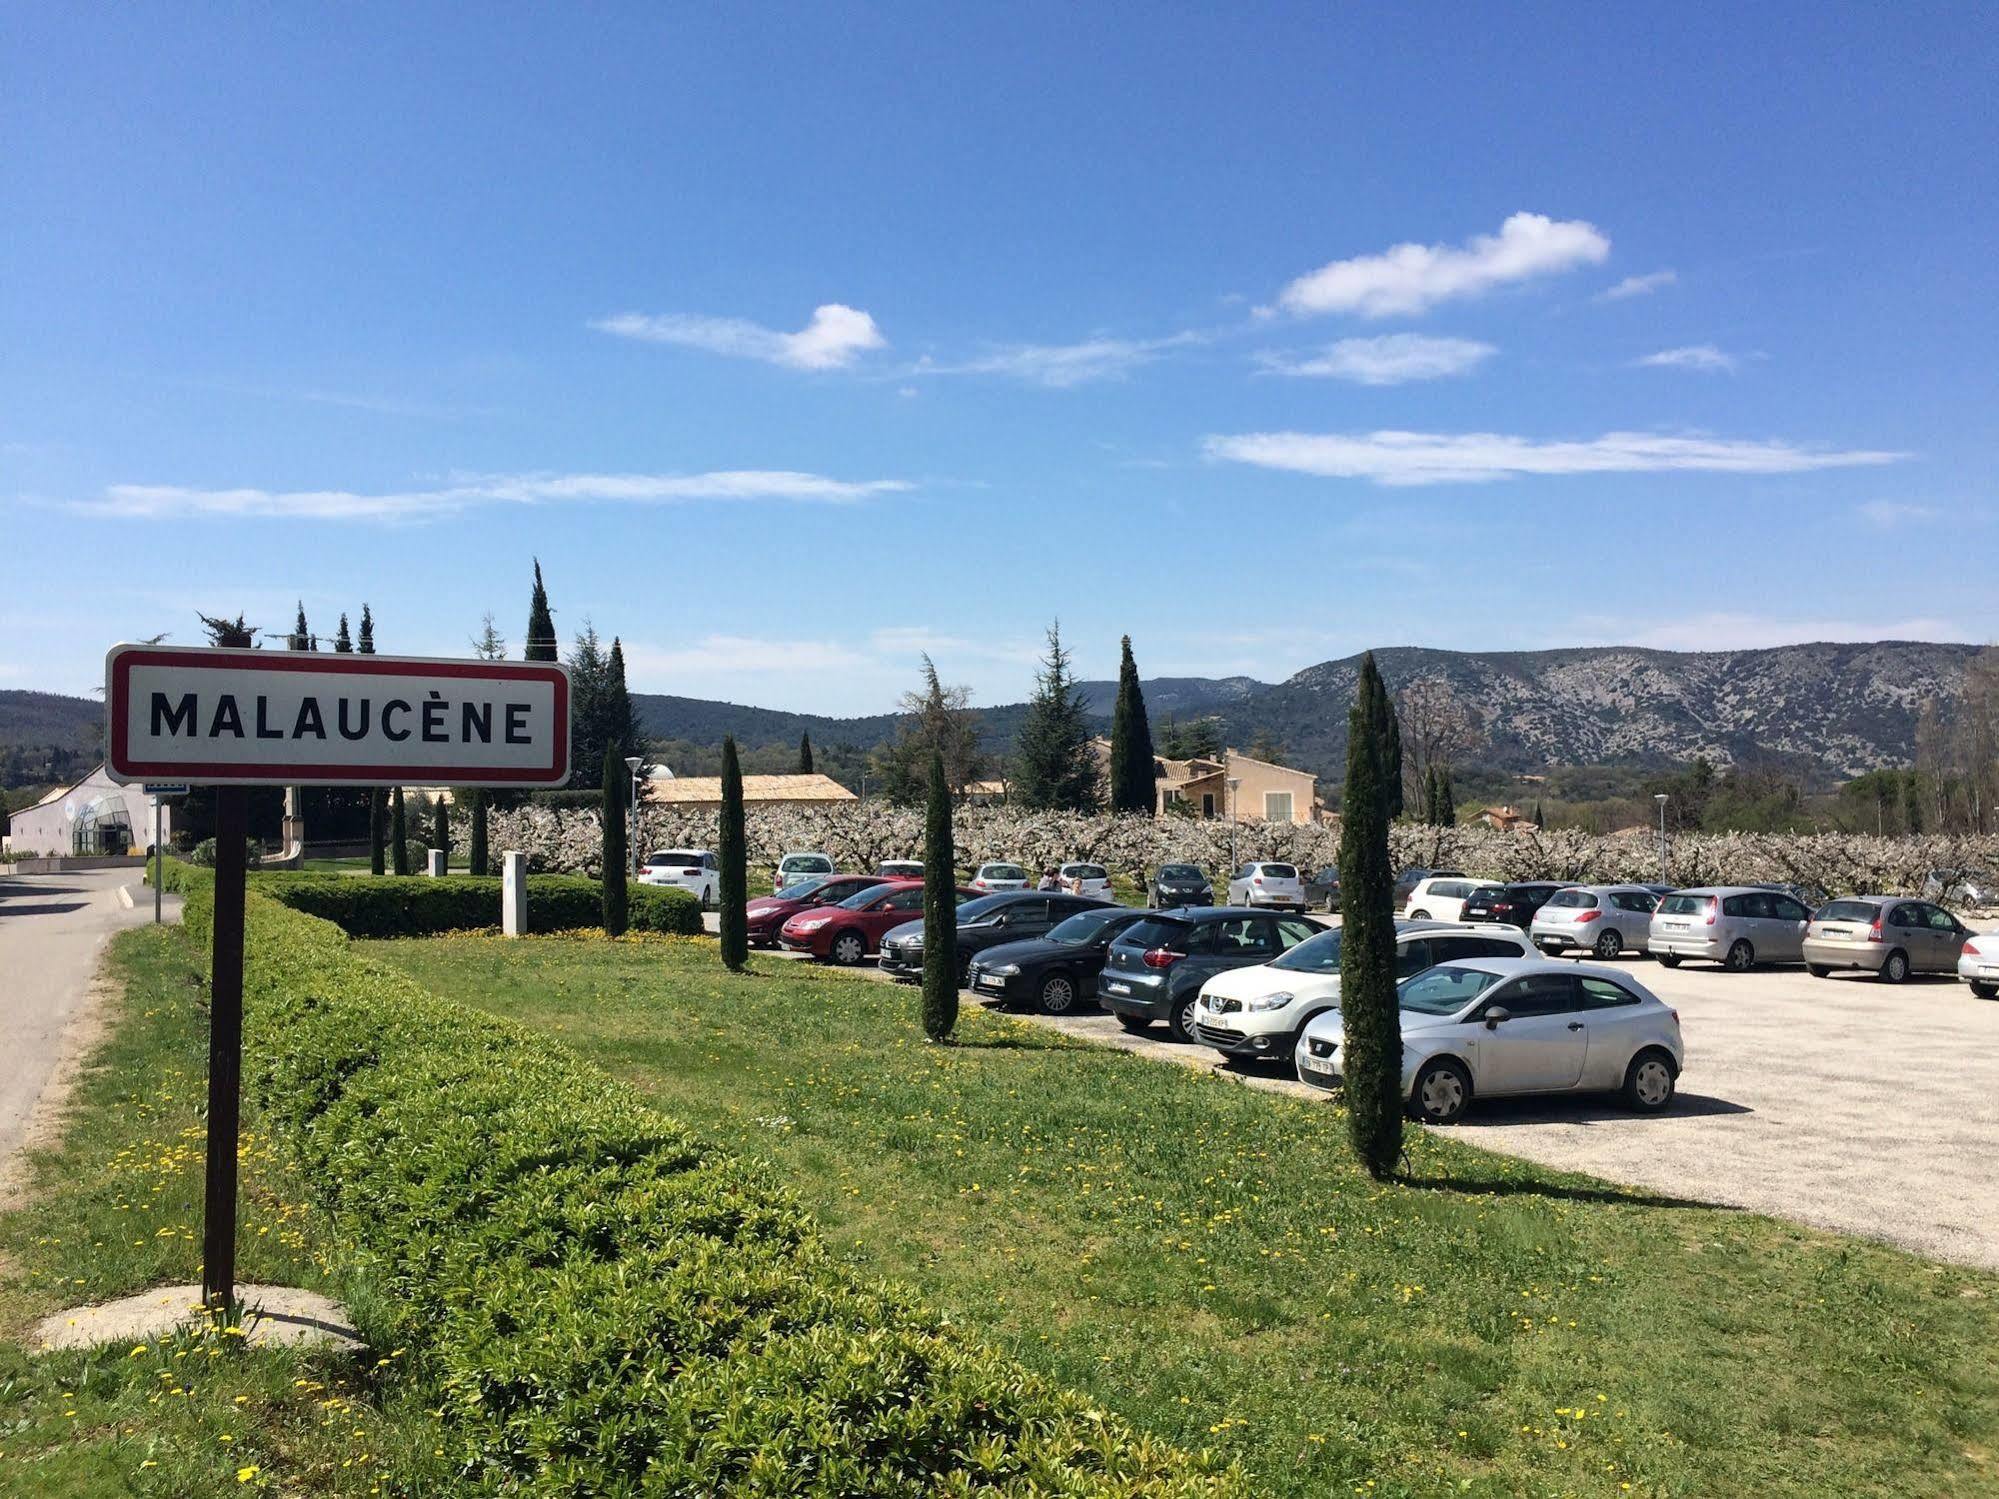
1633,913
891,911
1024,918
1541,1046
1942,941
1239,941
1787,922
1615,1018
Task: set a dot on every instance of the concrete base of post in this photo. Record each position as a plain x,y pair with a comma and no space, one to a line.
436,869
514,893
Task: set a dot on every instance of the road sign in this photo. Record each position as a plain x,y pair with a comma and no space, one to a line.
306,718
166,789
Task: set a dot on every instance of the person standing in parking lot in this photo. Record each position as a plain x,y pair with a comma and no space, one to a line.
1048,881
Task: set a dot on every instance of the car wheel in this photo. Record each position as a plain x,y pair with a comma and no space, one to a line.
1985,991
1818,970
1648,1082
1419,915
1609,945
1741,957
1669,960
848,949
1058,994
1137,1025
1441,1094
1896,969
707,898
1180,1020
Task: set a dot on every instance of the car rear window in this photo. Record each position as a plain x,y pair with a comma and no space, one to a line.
816,863
1850,910
1280,871
1087,872
1582,900
1157,931
675,856
1686,905
1003,872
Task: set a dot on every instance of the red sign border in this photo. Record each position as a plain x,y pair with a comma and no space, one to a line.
120,660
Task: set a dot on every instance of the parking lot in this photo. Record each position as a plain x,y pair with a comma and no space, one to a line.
1842,1103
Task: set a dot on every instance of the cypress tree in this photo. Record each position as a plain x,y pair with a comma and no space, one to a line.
1133,786
621,719
377,852
940,910
1447,801
476,858
366,644
343,643
587,681
1391,751
1539,820
732,892
1430,797
301,637
616,855
440,829
805,754
540,644
1372,1065
399,832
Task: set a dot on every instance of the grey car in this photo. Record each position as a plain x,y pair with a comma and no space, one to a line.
1154,970
1604,920
1889,936
1323,890
1737,926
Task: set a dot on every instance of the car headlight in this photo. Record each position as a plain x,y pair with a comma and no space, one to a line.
1275,1001
1003,971
813,923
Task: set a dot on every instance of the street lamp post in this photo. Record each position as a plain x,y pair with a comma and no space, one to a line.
632,763
1234,781
1660,798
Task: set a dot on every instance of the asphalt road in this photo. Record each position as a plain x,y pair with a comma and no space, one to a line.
53,928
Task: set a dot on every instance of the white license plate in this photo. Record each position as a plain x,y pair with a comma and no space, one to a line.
1316,1064
1114,986
1676,926
998,986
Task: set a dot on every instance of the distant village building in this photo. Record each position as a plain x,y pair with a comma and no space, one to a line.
985,793
92,816
1264,791
704,793
1507,820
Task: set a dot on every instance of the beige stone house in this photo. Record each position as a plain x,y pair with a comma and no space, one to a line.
704,793
1264,792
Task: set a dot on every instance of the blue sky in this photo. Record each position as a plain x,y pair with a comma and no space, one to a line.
795,340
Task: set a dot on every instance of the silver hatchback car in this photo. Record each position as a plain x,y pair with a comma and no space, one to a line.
1606,920
1733,925
1887,935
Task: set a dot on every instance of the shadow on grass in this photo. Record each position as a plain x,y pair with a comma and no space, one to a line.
1555,1191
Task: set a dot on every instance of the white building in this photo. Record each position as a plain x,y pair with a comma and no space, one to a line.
94,816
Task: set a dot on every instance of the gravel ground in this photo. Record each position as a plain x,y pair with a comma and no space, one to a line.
1841,1103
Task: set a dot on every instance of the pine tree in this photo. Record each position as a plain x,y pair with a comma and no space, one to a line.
940,910
1054,766
805,754
365,645
619,718
587,681
732,892
440,829
616,856
935,719
488,645
377,850
301,637
541,644
1134,787
237,633
476,858
343,643
399,833
1373,1031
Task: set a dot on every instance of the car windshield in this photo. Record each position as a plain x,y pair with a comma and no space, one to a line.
1444,990
1186,873
800,889
1156,931
861,898
1581,899
1280,872
1002,872
981,906
1320,954
1084,926
675,856
1850,910
1685,905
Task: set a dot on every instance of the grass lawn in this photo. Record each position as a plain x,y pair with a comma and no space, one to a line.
116,1208
1203,1259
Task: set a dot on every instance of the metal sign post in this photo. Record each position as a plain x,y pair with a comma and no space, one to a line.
232,719
160,791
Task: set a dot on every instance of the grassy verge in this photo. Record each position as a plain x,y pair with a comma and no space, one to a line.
116,1208
1203,1260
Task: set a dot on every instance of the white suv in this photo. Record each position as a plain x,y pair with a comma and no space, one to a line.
695,870
1442,897
1262,1011
1260,884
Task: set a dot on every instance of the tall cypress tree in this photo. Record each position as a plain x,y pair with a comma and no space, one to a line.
366,644
1372,1065
1447,801
440,829
805,754
343,643
732,893
377,835
621,719
1539,820
1054,767
617,855
1430,797
399,833
301,637
476,858
541,642
1391,750
1133,785
940,910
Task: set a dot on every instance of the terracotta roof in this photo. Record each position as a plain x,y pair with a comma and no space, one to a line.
792,788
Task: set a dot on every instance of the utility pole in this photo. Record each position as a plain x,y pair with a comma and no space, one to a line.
632,763
1660,798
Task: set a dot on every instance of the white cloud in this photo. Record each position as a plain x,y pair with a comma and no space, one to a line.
1412,278
1413,458
1703,357
730,655
1638,286
1722,630
831,341
1390,360
1061,366
1887,514
464,493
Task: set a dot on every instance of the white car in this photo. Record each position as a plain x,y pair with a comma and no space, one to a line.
1092,880
992,878
1503,1026
1978,964
1261,1011
900,869
694,870
795,867
1261,884
1442,897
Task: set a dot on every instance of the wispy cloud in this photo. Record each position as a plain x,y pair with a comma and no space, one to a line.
1887,514
1416,458
1722,630
1703,357
1637,286
1413,278
1393,359
835,337
1062,366
731,655
164,500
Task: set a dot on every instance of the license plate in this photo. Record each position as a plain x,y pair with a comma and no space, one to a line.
1552,943
1114,986
1316,1064
1676,926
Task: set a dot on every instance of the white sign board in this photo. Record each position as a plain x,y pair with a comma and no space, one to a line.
307,718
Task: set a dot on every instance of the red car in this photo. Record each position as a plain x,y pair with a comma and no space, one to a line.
852,930
767,914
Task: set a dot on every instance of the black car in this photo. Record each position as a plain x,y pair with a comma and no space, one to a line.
1155,968
1407,881
1055,973
1181,885
1510,905
1322,889
984,921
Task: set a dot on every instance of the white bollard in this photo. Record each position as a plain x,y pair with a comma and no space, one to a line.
436,870
514,893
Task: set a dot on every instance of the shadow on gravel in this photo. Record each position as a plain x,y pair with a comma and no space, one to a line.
1498,1113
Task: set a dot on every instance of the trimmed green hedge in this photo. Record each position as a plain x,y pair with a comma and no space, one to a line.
418,906
595,1302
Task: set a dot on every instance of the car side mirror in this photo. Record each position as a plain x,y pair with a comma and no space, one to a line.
1496,1014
